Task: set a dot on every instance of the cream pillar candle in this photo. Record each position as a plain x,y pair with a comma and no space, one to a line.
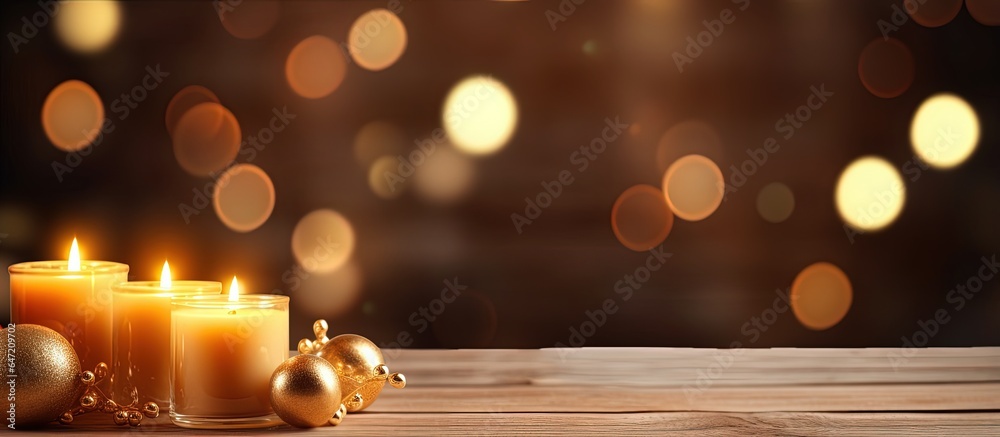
224,350
141,332
72,297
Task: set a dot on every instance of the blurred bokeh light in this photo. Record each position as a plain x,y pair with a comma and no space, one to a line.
986,12
821,296
323,241
641,218
384,178
244,197
870,194
445,176
933,13
248,19
315,67
185,99
944,131
72,115
378,138
206,139
775,202
479,115
886,67
377,39
694,187
87,26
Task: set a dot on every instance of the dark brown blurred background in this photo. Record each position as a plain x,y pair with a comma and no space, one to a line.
607,59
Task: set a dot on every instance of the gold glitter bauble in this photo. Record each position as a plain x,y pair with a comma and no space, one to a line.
305,391
356,359
48,373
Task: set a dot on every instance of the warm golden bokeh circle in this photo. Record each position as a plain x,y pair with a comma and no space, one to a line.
933,13
87,26
886,67
249,19
945,131
640,218
821,296
377,39
445,176
379,138
686,138
185,99
206,139
72,115
870,194
315,67
384,178
322,241
694,187
244,197
479,115
775,202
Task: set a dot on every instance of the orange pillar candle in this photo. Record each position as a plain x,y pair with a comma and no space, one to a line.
141,332
72,297
224,350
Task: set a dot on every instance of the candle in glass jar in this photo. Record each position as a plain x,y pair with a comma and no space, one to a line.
72,297
141,330
224,350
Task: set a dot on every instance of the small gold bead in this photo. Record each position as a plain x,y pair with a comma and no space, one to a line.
101,371
88,401
380,372
110,406
134,418
355,401
87,378
305,346
151,410
121,418
66,418
397,380
320,328
339,415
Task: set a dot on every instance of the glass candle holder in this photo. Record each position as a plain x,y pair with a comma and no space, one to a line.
223,353
74,303
141,333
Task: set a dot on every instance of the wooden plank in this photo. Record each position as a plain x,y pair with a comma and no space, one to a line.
600,399
658,423
576,424
655,391
685,366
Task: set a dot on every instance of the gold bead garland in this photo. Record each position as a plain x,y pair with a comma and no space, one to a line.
93,399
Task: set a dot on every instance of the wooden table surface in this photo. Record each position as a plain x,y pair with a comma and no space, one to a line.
619,391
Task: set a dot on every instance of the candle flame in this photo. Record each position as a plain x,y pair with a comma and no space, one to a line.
165,281
234,291
74,257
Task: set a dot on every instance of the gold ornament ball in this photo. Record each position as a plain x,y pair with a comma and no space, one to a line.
356,359
305,391
48,373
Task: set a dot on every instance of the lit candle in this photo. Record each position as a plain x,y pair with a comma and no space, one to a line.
142,334
72,297
224,350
